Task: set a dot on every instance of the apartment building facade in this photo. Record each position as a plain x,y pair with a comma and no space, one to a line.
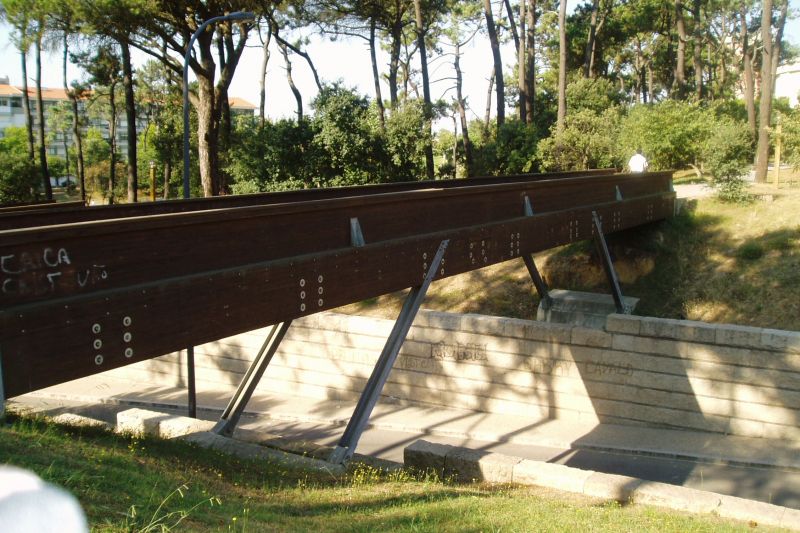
12,115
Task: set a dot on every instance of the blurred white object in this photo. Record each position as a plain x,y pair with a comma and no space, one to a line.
28,505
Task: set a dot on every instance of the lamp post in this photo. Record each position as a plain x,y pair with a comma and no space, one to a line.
238,15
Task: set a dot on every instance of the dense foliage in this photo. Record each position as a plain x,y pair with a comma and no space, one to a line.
677,80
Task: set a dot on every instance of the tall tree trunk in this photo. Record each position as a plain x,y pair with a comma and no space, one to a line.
765,105
26,108
747,66
426,89
130,117
225,129
487,115
76,132
48,190
522,65
513,24
462,112
530,53
207,136
376,78
587,54
778,46
680,59
394,61
697,51
262,93
498,63
562,65
112,131
295,91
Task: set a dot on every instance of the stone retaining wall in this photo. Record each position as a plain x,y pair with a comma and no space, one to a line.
639,371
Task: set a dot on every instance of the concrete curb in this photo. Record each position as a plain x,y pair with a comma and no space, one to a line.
144,422
470,465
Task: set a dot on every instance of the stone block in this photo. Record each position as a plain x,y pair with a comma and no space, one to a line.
247,450
70,419
528,472
611,486
581,308
495,467
689,330
426,456
548,332
752,511
774,339
791,519
738,336
658,327
439,320
139,421
624,343
676,497
178,426
471,465
626,324
462,465
591,337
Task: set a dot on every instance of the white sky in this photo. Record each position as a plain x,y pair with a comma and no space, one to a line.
344,59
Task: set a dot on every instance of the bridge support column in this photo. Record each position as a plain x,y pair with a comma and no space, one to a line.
608,265
355,427
232,413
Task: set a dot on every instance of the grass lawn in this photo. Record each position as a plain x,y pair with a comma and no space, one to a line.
132,484
715,262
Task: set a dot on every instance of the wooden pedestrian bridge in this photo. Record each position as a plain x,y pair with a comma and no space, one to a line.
87,289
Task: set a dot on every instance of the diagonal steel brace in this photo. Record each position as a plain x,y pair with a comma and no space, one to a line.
366,403
608,265
232,413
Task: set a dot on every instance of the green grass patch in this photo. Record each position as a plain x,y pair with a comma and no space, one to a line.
131,484
750,251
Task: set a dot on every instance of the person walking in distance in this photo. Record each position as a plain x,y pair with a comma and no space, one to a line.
637,163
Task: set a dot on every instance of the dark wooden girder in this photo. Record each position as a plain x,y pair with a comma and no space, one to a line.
86,297
72,212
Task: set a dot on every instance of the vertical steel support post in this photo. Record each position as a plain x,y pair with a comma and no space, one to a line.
355,427
190,383
608,265
232,413
238,15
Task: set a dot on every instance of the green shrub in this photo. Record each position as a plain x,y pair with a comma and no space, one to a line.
588,140
671,134
727,155
20,179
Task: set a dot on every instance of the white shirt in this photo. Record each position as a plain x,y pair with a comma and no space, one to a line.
637,163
